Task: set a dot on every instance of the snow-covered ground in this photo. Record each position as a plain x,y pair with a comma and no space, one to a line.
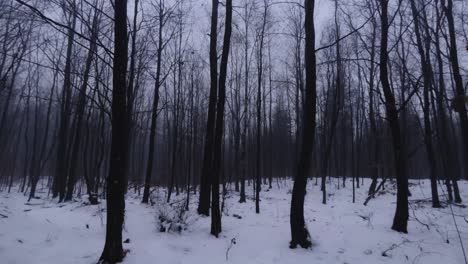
44,231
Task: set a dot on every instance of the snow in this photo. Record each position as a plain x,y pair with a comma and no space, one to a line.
45,231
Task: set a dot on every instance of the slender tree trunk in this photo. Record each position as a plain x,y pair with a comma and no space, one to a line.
80,110
427,80
154,111
207,168
217,155
131,91
258,172
42,151
243,157
460,91
33,166
400,221
190,145
299,232
375,143
61,170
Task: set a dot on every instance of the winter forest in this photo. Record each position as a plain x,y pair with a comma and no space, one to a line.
245,131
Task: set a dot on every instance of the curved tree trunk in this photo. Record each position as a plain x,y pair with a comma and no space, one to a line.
400,221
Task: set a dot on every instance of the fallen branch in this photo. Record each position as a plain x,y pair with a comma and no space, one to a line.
367,219
393,246
376,191
417,219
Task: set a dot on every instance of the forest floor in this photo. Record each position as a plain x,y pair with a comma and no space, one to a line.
44,231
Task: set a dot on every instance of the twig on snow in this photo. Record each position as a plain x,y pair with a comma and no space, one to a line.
393,246
233,242
417,219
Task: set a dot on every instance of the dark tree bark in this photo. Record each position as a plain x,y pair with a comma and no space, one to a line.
154,110
33,167
400,221
113,250
330,130
132,89
236,130
176,115
243,156
270,131
460,91
443,128
258,172
299,232
42,152
26,140
218,141
62,161
207,169
427,83
375,144
191,137
78,122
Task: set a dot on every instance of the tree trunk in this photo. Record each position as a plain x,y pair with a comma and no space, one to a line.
61,170
113,250
427,80
258,182
206,174
217,155
80,110
154,111
299,232
400,221
460,91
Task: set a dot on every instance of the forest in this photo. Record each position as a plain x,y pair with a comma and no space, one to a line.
249,131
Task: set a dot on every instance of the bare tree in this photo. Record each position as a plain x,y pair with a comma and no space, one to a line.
61,170
400,220
113,250
260,47
459,90
207,169
299,232
163,17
